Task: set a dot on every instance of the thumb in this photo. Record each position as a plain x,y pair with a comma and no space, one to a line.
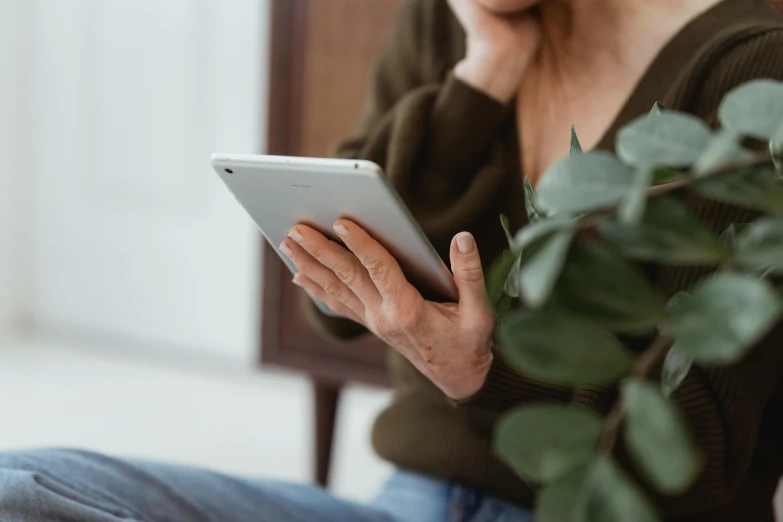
468,274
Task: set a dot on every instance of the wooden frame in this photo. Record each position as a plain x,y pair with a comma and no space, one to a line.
283,329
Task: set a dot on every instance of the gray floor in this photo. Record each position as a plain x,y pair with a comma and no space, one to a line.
55,393
59,393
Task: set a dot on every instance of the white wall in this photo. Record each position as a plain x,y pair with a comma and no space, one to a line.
115,227
15,175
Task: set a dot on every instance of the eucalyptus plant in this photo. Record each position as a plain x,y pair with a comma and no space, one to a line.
570,287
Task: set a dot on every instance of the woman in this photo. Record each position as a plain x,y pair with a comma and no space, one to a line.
468,96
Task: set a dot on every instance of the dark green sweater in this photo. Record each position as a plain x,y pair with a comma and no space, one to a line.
453,155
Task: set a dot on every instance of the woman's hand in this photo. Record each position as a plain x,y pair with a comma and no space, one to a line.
450,343
499,47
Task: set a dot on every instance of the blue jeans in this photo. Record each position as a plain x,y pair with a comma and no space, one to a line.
69,485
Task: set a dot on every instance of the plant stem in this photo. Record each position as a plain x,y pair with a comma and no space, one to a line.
651,357
594,218
644,365
756,161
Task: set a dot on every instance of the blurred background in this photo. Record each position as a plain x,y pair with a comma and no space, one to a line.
133,289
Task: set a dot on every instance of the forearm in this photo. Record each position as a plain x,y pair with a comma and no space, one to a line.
498,75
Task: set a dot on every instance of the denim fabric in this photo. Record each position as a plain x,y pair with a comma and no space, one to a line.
71,485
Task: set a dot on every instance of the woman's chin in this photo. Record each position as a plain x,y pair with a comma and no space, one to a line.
508,6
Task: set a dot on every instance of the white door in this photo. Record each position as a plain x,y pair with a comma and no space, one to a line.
11,178
135,238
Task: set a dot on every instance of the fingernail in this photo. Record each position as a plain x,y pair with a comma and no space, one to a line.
465,243
295,281
341,230
295,235
285,250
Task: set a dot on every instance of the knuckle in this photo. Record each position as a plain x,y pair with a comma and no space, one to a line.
334,289
376,268
346,274
379,325
403,318
472,274
487,326
485,323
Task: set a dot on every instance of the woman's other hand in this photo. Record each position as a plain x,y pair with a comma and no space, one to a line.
500,44
450,343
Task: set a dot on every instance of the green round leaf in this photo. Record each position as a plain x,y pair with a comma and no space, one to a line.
761,244
676,366
658,439
664,329
753,109
663,175
776,147
576,148
559,349
544,245
726,316
544,442
507,229
729,238
667,233
610,496
632,207
676,301
723,148
598,286
534,213
533,232
538,275
563,501
498,274
512,282
668,139
755,188
583,182
657,109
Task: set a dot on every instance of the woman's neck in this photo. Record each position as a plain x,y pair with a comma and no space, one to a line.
593,54
585,34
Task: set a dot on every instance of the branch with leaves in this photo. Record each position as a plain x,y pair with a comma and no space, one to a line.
578,293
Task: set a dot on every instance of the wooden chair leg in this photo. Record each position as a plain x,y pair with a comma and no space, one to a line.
327,396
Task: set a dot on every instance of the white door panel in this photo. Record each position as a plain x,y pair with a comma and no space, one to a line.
135,236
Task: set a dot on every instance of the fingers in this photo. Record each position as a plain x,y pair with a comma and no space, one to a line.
337,260
315,290
469,278
327,281
381,266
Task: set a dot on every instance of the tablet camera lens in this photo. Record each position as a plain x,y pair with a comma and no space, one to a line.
229,171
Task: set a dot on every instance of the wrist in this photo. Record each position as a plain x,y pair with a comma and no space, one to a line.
495,73
469,385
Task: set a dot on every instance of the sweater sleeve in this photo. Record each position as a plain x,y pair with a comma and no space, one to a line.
433,137
723,405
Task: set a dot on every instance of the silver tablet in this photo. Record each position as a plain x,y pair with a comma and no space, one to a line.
278,192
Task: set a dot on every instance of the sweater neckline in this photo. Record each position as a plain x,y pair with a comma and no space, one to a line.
726,18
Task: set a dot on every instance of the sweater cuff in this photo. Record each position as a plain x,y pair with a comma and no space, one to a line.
463,124
457,101
505,388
